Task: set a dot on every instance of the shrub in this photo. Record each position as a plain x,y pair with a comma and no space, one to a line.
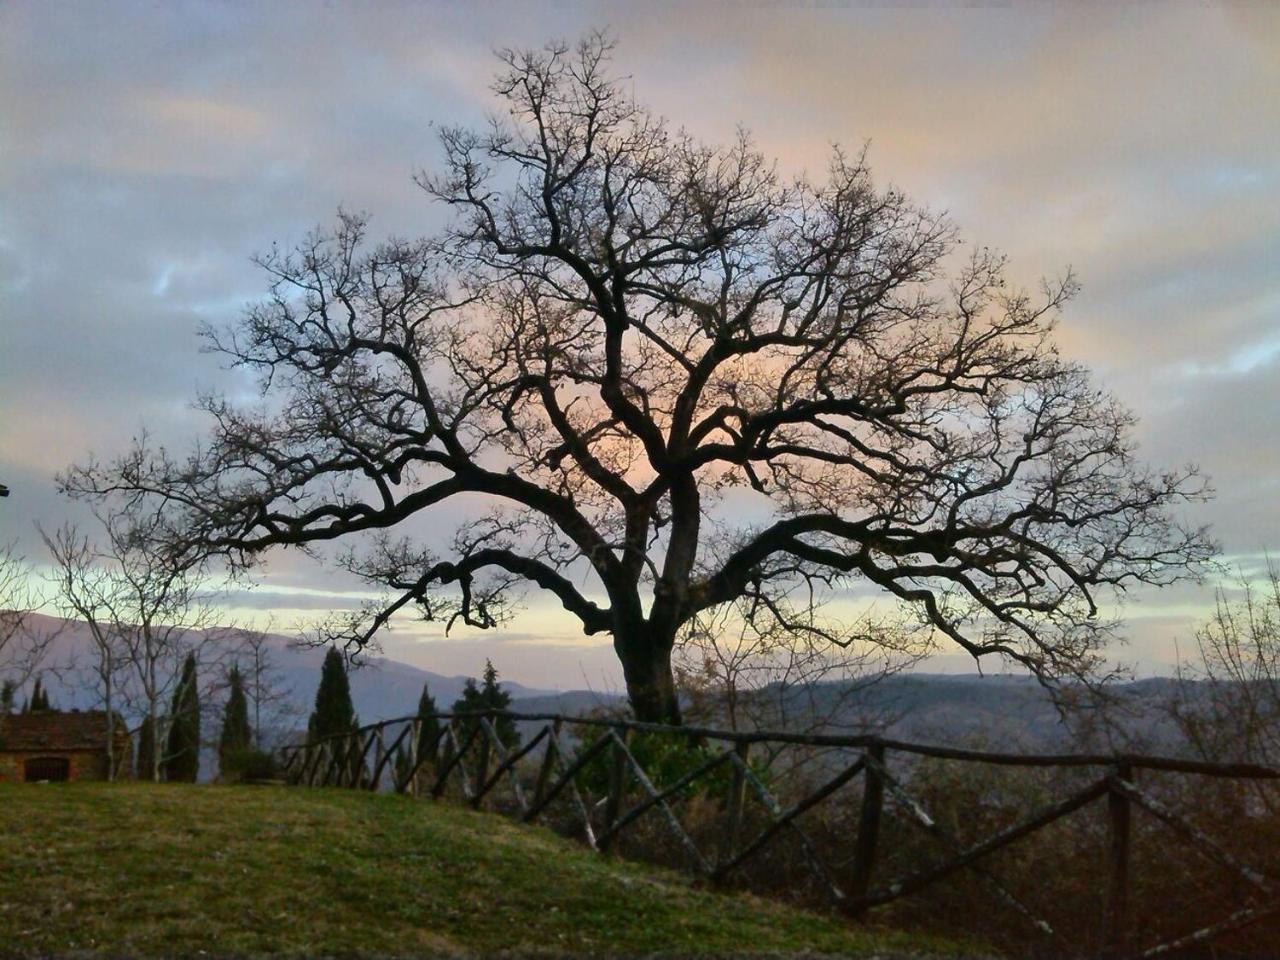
247,764
665,758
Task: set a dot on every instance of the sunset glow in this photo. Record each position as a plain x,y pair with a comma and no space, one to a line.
147,151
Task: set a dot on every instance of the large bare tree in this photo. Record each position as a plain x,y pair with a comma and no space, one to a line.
683,381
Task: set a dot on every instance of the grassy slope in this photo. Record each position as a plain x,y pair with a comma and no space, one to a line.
148,869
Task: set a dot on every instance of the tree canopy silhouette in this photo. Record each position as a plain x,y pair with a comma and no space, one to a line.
681,380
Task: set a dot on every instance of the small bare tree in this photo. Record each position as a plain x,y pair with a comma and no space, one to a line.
23,644
750,672
146,610
272,706
86,591
1229,702
621,328
746,671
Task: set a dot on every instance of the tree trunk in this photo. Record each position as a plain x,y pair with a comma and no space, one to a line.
650,684
111,731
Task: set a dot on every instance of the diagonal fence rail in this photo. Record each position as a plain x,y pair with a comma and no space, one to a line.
599,778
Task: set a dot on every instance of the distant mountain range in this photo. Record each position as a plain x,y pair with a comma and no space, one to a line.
1001,712
380,688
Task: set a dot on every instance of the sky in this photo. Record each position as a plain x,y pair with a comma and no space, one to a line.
147,150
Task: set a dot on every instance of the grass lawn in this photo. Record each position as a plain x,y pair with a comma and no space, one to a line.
175,869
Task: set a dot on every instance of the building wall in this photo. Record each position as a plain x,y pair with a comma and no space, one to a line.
84,764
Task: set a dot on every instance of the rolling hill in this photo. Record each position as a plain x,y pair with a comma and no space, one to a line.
140,869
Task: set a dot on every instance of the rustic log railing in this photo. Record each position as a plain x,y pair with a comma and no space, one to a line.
468,754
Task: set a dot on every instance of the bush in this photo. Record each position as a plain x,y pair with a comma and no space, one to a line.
665,758
245,765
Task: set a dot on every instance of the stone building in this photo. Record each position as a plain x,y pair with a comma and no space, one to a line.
58,745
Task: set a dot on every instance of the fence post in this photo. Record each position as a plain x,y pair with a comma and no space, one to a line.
547,767
864,854
379,758
446,759
415,734
736,802
1118,903
332,761
482,762
617,783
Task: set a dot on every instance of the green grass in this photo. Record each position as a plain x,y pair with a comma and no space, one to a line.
145,869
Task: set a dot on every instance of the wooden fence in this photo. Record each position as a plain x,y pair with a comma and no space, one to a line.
593,764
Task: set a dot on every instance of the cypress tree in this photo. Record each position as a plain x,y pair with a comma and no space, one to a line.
236,735
334,712
469,701
182,755
39,699
495,698
146,749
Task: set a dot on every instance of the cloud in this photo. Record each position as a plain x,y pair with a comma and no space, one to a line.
148,150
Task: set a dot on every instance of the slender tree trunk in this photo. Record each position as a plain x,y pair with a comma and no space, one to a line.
111,727
257,704
156,748
158,736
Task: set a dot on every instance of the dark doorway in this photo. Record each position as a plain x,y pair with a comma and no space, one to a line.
46,768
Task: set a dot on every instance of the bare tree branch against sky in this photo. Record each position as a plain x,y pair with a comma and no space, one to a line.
146,151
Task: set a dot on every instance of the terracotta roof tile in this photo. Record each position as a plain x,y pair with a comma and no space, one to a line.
54,730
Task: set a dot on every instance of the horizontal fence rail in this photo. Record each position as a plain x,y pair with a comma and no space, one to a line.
592,771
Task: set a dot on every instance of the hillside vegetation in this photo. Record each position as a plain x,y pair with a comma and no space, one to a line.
144,869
